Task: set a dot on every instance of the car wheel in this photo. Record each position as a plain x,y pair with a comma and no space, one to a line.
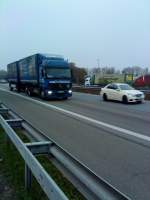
125,99
105,97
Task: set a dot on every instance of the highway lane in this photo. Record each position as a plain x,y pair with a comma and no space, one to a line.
135,117
121,162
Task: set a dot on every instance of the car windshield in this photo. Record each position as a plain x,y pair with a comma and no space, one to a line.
126,87
58,72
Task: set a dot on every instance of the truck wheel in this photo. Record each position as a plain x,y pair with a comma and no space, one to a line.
42,94
18,88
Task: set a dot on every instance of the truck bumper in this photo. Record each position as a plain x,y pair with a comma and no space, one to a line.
58,94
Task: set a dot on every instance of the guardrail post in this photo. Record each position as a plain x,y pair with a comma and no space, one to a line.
28,177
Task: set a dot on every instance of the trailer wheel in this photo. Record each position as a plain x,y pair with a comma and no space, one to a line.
28,92
10,87
18,88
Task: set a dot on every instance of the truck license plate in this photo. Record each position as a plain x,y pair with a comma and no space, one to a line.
60,92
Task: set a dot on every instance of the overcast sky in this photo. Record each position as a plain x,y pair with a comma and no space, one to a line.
115,32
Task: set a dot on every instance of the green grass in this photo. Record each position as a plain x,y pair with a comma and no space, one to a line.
12,167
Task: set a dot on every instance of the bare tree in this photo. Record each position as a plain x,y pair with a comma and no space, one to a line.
3,74
78,73
135,70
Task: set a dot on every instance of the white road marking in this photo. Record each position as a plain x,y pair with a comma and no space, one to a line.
79,116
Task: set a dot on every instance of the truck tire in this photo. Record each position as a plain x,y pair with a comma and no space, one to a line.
42,94
18,88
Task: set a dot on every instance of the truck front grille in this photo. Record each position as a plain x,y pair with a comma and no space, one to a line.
59,86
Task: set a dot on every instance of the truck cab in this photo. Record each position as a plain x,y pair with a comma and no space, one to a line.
55,78
87,81
44,74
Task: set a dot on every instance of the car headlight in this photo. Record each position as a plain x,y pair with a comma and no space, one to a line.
131,95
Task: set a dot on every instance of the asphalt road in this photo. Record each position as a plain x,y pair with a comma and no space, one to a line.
118,150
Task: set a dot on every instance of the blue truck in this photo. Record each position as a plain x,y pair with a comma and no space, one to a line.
46,75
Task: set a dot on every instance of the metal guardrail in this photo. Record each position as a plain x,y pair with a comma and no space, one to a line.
94,187
3,81
43,178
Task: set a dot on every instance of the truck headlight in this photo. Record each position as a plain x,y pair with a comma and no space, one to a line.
50,92
69,91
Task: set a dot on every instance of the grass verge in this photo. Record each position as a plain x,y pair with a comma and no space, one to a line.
12,168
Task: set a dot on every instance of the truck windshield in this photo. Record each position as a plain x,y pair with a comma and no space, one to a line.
58,72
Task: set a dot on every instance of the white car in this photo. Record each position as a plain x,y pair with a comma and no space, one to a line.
121,92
